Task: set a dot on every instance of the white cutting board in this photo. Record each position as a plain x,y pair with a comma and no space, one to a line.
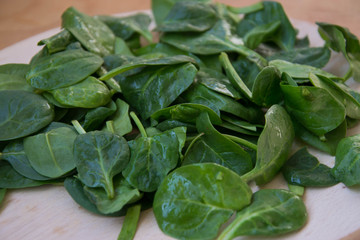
48,212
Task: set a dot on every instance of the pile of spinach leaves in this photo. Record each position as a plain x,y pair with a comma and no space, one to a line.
182,124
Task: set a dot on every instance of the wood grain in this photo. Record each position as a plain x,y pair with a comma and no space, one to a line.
20,19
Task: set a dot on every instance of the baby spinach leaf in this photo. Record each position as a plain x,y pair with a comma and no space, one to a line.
316,57
274,145
340,39
246,69
2,195
14,82
304,169
89,93
57,42
156,88
271,213
216,148
352,106
299,70
99,156
152,158
22,113
195,200
130,223
51,153
185,112
328,143
124,194
120,120
129,26
94,118
347,164
9,178
161,8
218,82
57,70
315,108
261,33
93,34
188,16
170,124
215,40
272,12
18,69
266,90
14,153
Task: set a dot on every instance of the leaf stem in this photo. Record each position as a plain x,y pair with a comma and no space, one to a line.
78,127
138,124
242,141
110,126
230,231
130,223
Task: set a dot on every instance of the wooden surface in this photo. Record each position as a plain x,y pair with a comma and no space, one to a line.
20,19
24,218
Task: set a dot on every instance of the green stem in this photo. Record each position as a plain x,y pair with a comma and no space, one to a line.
242,141
78,127
110,126
248,9
230,231
130,223
111,82
138,124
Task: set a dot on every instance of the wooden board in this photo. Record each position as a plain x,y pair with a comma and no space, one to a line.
48,212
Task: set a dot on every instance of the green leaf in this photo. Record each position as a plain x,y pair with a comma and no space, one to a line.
89,93
57,70
99,156
93,34
347,164
22,113
271,213
195,200
216,148
14,82
274,145
51,153
152,158
57,42
124,194
304,169
120,120
94,118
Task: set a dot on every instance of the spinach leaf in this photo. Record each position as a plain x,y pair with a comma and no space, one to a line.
170,124
185,112
14,153
340,39
304,169
261,33
188,16
315,108
347,164
152,158
57,70
327,143
161,8
156,88
300,71
14,82
316,57
93,34
130,223
99,156
271,213
9,178
274,145
94,118
18,69
22,113
195,200
129,26
352,106
51,153
2,195
124,194
215,40
57,42
89,93
216,148
272,12
120,120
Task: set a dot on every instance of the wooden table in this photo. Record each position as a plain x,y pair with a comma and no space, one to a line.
20,19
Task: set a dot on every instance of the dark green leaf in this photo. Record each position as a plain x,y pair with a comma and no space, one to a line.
94,118
57,42
195,200
120,120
